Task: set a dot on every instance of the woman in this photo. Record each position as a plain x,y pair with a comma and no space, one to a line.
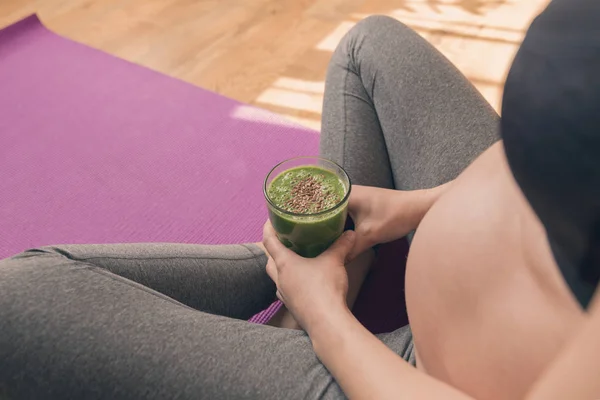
491,314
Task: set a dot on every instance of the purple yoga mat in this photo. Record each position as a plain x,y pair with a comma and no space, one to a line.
94,149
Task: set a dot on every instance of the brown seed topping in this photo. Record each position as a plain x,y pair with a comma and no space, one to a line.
309,196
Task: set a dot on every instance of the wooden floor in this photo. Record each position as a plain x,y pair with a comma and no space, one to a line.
274,53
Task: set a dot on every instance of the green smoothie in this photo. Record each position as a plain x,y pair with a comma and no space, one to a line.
308,216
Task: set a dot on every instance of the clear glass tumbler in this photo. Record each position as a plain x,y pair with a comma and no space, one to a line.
309,234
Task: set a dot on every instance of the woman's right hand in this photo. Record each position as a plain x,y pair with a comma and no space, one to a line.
384,215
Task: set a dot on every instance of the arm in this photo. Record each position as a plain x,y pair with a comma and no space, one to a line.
315,290
367,369
384,215
416,204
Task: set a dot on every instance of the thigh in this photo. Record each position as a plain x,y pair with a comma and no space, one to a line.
74,330
227,280
397,113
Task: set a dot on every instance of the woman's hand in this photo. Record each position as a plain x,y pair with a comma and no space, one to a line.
311,288
383,215
379,216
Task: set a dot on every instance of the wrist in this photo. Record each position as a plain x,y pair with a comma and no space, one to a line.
325,329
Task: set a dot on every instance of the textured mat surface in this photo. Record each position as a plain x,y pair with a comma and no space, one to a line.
94,149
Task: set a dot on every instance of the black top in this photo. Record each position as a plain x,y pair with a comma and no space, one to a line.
551,130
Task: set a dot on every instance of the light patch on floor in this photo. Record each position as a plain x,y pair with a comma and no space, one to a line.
300,85
256,114
312,102
331,41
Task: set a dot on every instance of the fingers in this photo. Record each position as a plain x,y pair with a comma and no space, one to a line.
355,199
342,247
272,270
275,248
361,243
357,202
353,253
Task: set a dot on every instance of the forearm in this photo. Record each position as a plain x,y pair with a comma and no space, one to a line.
420,202
367,369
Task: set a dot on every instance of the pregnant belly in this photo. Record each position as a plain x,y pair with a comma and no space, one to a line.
486,303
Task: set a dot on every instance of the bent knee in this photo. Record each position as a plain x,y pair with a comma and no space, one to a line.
25,275
41,252
25,266
374,36
379,25
379,30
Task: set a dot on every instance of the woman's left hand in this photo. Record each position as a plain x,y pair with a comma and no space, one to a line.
311,288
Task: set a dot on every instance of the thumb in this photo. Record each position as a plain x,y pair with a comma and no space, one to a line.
342,247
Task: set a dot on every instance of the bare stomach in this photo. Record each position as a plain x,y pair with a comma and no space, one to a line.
487,305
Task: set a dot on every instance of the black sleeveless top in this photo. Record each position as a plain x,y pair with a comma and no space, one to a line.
551,130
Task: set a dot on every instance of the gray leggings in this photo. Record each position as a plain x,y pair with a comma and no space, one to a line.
166,321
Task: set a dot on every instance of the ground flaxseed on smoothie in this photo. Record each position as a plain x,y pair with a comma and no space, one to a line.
306,190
